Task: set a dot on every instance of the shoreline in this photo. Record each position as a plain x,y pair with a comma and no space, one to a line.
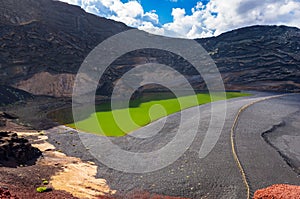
67,141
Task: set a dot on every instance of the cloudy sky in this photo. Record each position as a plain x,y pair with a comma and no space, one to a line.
194,18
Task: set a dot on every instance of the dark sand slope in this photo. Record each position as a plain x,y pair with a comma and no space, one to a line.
215,176
278,161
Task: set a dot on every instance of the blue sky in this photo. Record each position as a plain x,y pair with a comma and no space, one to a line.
164,9
194,18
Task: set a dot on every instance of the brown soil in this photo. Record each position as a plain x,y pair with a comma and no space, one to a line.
279,191
22,181
77,177
5,194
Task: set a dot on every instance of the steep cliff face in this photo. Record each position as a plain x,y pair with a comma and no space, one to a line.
46,41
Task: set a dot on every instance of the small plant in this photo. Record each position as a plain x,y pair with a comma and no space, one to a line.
45,182
42,189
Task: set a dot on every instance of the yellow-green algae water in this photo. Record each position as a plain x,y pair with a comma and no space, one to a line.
142,112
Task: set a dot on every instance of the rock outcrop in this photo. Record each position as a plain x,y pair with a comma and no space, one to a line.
16,151
57,85
10,95
4,116
279,191
49,40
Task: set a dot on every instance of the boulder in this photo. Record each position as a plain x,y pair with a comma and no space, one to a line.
16,151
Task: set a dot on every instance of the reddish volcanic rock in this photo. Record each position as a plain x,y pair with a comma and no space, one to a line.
5,194
279,191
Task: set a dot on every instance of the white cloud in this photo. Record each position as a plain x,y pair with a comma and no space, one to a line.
214,18
74,2
238,13
92,9
152,16
131,13
219,16
149,27
188,26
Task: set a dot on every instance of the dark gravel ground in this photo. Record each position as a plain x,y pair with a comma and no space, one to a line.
216,175
276,121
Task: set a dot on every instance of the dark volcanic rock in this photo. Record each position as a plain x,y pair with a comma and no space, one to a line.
15,151
4,116
9,95
2,122
258,57
47,36
44,42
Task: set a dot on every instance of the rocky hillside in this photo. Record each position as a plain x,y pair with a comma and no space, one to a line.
258,57
45,38
43,43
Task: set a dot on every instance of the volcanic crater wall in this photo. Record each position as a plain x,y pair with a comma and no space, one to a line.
43,43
